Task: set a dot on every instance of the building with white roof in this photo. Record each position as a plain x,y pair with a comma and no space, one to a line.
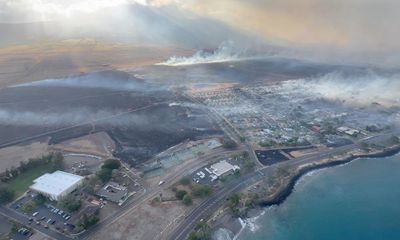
56,185
223,168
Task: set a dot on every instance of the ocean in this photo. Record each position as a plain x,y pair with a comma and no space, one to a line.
358,200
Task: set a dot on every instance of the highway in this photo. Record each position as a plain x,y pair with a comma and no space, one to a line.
149,194
211,204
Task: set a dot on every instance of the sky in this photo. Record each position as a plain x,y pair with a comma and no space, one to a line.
353,25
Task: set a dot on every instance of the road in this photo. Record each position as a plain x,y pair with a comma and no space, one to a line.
169,180
19,217
210,205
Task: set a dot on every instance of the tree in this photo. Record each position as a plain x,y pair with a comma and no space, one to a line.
201,232
185,181
40,199
57,160
111,164
228,143
187,200
233,202
70,202
104,174
180,194
114,173
6,195
87,221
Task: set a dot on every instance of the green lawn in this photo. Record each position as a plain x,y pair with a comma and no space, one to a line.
22,182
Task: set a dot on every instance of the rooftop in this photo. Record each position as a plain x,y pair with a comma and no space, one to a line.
223,167
55,183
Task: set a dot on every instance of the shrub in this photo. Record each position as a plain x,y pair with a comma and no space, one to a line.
6,195
70,202
229,143
180,194
111,164
185,181
104,174
88,220
187,200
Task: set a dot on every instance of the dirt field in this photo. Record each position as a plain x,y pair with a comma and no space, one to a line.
55,59
12,156
99,144
146,222
305,152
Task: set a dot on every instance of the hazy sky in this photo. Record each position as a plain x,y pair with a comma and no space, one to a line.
363,24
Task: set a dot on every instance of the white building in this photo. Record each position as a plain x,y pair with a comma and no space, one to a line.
56,185
223,168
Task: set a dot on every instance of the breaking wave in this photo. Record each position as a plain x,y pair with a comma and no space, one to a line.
226,52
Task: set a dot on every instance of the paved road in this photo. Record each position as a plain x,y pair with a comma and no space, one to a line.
154,192
210,205
19,217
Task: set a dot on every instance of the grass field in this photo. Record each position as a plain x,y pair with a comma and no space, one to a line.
21,183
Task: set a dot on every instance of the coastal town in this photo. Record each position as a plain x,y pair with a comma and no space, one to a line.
80,187
199,120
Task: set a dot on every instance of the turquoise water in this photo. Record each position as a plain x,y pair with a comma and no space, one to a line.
360,200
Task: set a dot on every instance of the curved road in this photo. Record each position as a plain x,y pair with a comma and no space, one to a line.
210,205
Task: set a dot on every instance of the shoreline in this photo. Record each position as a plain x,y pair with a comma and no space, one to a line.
282,194
285,192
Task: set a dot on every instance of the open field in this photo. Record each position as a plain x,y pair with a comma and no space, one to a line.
12,156
99,144
21,183
55,59
147,222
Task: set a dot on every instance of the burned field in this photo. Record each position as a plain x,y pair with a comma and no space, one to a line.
270,157
141,118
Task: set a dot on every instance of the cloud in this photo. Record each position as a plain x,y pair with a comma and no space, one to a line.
355,30
52,10
341,23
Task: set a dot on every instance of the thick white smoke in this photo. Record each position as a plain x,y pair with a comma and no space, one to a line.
116,81
226,52
362,89
72,117
30,118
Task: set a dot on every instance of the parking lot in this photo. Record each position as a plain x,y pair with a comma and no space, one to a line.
45,215
204,176
48,215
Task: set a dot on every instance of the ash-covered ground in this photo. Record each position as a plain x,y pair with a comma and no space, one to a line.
143,119
148,109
